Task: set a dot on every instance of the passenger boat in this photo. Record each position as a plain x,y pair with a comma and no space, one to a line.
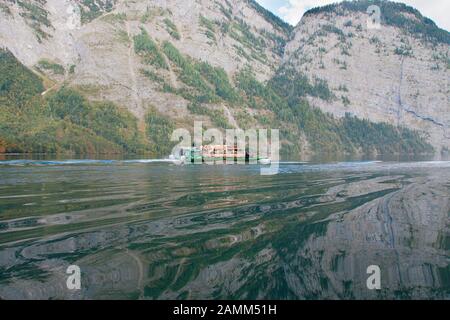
216,154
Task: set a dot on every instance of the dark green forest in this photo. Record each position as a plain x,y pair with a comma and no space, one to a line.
63,122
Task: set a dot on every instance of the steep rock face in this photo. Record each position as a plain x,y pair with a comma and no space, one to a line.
386,74
93,41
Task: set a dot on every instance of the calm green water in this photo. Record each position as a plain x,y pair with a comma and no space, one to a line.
159,231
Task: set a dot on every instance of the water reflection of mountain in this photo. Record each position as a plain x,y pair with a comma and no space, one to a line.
295,236
405,233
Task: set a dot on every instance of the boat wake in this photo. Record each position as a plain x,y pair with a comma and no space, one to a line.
285,166
79,162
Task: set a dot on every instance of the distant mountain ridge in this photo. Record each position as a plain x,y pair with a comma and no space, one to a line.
392,15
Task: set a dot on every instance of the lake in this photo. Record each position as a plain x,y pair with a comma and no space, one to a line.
144,230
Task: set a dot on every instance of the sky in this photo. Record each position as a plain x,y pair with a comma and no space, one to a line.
292,10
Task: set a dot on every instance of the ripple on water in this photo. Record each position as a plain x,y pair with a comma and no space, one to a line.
164,231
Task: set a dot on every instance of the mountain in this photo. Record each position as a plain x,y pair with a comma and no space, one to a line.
397,74
113,76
